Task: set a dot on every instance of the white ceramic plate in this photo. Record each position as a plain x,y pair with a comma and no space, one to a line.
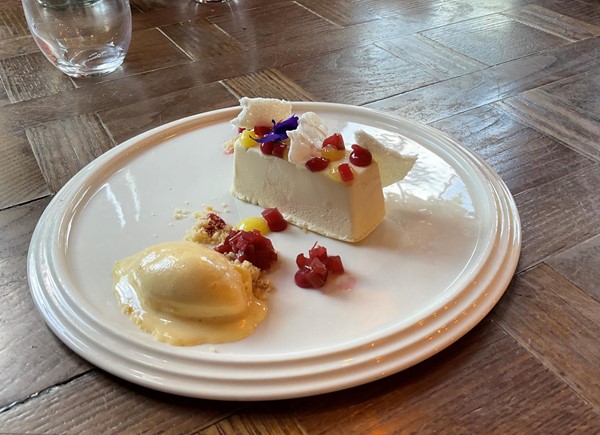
431,271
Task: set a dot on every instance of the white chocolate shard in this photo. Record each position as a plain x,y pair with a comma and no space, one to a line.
393,165
261,111
306,140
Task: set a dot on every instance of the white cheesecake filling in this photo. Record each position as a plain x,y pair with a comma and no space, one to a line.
312,200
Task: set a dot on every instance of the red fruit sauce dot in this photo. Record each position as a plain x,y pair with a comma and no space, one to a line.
261,130
346,173
278,149
317,164
360,156
274,219
267,147
336,140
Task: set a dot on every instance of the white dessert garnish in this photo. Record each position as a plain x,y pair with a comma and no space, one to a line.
306,140
393,166
261,111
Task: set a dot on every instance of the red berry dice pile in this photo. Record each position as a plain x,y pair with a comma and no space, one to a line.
251,246
314,269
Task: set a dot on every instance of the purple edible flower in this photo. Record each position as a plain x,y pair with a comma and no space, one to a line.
280,130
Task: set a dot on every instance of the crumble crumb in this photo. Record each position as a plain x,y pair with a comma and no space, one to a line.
228,145
180,213
209,229
261,285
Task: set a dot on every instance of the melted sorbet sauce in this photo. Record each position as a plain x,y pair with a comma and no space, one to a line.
184,293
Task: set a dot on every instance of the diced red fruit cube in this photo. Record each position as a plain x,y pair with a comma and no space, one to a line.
316,279
306,278
278,149
360,156
302,261
301,280
334,264
318,266
317,164
251,246
274,219
319,252
336,140
346,173
261,130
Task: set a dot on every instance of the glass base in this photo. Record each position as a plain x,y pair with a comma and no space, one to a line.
89,63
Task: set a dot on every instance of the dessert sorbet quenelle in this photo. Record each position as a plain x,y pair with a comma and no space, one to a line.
185,293
315,180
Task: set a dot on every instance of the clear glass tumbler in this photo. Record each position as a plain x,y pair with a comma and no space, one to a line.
81,37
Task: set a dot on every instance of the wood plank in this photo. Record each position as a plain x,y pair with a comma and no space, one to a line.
435,58
270,83
559,215
440,100
98,403
201,38
159,13
20,177
344,12
31,76
150,50
559,324
494,39
3,97
17,47
12,23
523,157
10,4
553,23
579,91
125,122
579,264
252,28
556,118
455,391
64,147
259,419
414,15
361,74
132,89
482,126
587,11
31,357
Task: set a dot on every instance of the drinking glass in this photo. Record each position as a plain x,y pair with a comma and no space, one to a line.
81,37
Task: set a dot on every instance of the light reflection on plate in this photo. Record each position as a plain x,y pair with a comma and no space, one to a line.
436,265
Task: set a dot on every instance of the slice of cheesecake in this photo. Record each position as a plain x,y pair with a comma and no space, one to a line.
321,188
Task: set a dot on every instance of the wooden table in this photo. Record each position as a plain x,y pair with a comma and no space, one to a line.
517,81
